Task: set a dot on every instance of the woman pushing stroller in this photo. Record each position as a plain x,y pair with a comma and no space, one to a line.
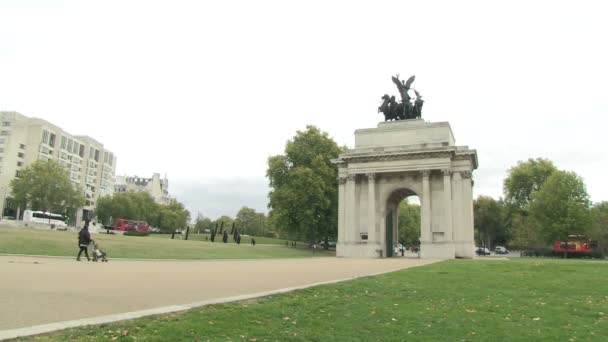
84,238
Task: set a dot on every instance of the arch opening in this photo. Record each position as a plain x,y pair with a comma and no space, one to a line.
403,224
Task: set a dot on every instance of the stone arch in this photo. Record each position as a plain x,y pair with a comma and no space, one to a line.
393,161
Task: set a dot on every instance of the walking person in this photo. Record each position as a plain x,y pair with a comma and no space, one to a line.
84,238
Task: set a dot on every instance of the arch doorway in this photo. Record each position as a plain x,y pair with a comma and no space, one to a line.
403,224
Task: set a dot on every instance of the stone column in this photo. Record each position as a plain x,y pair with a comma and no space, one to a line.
467,212
457,207
425,223
371,201
341,209
350,209
447,193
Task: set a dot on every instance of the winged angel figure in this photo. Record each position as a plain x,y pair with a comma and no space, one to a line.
406,109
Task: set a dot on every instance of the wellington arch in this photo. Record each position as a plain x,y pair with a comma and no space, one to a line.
395,160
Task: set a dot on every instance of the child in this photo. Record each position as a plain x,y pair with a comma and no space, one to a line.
98,253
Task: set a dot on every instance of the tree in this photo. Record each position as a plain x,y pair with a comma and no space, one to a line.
304,192
203,223
524,179
599,226
523,231
227,220
561,207
173,216
103,211
46,186
248,221
409,223
128,205
489,221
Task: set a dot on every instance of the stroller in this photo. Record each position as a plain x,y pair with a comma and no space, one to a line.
98,254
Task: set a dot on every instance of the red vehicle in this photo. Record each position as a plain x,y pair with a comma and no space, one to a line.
124,225
577,245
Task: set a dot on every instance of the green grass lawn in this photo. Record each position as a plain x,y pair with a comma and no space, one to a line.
62,243
218,238
459,300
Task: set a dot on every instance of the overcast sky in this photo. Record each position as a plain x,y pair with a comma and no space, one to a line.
206,91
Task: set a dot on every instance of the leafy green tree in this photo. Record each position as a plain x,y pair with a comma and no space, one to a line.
103,210
599,226
128,205
523,231
46,186
489,221
227,220
203,223
249,221
524,179
409,223
173,216
304,192
561,207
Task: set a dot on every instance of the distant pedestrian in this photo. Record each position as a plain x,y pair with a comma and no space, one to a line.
84,239
253,241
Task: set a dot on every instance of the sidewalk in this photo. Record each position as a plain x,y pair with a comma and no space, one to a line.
37,290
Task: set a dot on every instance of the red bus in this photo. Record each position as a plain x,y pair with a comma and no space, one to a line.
576,245
124,225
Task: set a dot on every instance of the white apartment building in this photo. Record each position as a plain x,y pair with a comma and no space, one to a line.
24,140
157,188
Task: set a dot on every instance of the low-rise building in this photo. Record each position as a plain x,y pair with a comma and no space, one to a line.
157,188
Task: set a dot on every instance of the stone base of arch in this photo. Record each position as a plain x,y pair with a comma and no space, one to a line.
396,160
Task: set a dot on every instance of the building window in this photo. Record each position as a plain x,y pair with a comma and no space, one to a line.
91,152
19,163
96,155
17,173
70,145
45,136
4,133
75,149
81,152
64,142
6,123
21,155
52,140
22,146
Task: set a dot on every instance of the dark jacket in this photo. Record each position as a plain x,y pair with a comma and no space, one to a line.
84,238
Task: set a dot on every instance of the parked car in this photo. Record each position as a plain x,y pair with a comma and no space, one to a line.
501,250
330,244
482,251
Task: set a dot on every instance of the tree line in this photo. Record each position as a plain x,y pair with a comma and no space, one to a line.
247,221
541,204
140,206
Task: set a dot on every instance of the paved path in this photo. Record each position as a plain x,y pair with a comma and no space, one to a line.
38,290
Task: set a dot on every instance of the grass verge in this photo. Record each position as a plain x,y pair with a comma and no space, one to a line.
459,300
64,243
